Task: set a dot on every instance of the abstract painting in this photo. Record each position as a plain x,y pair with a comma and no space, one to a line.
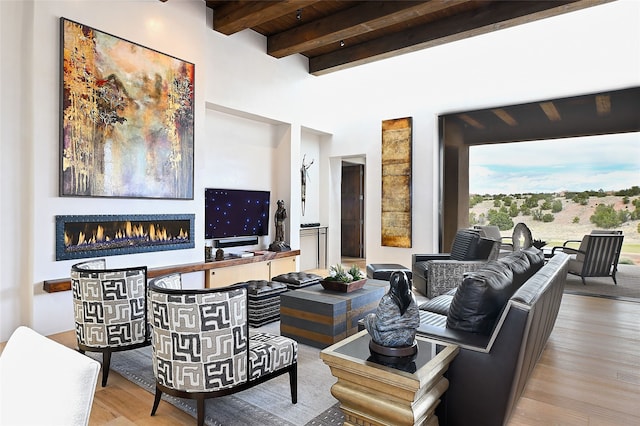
396,183
127,122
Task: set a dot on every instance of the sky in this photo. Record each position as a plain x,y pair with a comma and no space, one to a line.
609,162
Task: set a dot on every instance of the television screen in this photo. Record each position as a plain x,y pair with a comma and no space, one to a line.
235,213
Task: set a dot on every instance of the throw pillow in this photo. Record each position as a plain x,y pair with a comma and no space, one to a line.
480,299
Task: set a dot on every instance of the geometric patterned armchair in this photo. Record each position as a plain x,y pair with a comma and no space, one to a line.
110,309
202,347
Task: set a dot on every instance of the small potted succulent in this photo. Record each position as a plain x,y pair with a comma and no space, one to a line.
343,280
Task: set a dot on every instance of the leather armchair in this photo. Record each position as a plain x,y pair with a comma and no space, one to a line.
467,245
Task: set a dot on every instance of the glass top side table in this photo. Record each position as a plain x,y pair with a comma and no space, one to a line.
372,390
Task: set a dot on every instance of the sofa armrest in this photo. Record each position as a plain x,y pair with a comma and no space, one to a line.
444,275
471,341
424,257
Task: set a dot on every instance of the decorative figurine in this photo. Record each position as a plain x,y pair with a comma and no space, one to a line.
219,254
304,175
393,327
279,244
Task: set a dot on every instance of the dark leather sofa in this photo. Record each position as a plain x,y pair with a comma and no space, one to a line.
501,316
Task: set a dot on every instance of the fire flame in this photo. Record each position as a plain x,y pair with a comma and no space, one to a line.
129,231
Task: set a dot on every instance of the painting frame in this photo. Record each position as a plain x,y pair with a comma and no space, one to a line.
396,193
122,234
126,118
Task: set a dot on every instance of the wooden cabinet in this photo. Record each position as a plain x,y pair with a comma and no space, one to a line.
282,266
260,267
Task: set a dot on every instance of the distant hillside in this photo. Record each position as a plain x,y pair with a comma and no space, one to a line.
563,227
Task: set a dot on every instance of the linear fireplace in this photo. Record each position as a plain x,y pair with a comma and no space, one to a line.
109,235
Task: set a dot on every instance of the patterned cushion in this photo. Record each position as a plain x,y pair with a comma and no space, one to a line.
200,339
109,305
268,353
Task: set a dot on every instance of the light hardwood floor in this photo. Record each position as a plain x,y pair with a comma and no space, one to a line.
589,374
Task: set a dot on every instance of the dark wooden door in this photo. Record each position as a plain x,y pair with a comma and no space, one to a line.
352,240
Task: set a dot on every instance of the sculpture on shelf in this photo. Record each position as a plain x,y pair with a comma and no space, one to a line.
279,244
393,326
219,254
304,174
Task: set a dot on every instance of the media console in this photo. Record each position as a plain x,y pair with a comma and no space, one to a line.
274,263
262,266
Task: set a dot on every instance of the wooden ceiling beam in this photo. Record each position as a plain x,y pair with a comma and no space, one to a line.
230,18
550,111
505,116
493,16
352,22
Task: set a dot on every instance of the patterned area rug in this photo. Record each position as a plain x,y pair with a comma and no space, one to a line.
266,404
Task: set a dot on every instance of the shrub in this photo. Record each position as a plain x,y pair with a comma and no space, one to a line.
475,199
472,219
536,214
556,206
576,219
500,219
548,217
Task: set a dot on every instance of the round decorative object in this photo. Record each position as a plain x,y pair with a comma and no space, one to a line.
522,238
398,352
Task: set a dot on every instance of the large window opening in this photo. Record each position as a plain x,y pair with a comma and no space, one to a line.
604,113
561,189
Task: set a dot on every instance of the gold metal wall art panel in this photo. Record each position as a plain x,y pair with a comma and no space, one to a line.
396,182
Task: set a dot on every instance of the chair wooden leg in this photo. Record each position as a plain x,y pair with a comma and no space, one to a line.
293,383
156,401
106,363
200,411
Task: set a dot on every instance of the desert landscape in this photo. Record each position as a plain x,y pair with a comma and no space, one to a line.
563,228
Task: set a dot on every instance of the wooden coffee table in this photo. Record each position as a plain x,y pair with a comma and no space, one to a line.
319,317
371,393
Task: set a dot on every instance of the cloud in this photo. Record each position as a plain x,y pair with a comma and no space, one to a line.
609,162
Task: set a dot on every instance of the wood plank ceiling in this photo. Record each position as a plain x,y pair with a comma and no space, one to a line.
335,35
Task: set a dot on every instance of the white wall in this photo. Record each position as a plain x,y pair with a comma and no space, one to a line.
585,51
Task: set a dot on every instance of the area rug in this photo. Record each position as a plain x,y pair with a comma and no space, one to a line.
628,287
266,404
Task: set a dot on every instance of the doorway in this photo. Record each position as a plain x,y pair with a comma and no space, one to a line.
352,212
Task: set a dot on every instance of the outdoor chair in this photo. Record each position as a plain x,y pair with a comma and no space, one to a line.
597,255
492,232
44,382
202,347
110,309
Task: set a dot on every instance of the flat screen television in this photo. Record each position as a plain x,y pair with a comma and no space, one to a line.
235,213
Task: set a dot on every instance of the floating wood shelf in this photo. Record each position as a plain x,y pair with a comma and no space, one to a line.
64,284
